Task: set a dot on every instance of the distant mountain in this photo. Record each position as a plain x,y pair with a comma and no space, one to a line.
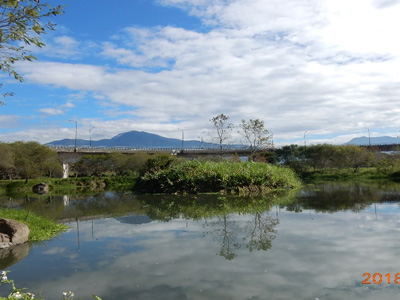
138,139
382,140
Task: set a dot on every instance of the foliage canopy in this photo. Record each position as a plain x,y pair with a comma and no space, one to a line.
22,22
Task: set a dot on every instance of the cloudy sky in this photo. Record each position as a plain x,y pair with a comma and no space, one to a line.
324,70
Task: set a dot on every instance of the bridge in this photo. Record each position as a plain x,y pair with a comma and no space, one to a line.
71,154
128,150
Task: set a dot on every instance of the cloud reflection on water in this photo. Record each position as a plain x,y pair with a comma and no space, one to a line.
310,249
314,255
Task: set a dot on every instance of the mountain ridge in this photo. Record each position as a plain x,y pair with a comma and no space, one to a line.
139,139
380,140
142,139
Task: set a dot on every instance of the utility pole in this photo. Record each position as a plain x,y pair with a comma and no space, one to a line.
76,131
305,141
183,138
90,136
369,138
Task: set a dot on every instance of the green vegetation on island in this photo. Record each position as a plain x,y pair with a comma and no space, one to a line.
209,177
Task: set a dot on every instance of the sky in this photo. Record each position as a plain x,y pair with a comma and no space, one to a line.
315,71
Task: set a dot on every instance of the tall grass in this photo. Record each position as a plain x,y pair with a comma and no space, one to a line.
40,228
203,177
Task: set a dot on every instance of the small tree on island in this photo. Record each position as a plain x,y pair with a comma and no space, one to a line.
223,129
255,133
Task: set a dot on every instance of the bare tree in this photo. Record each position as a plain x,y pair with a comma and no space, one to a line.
223,129
255,134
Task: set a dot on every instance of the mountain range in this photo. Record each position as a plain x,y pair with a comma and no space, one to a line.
137,139
141,139
381,140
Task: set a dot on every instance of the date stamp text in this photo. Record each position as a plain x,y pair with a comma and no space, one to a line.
378,278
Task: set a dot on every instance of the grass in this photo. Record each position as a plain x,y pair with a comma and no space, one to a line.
348,174
207,176
40,228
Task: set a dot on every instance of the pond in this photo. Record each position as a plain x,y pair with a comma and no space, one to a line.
317,243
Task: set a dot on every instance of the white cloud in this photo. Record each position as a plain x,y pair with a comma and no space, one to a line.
72,76
328,67
69,105
384,3
9,121
51,111
64,46
359,27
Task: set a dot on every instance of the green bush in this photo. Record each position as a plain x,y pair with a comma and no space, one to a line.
203,177
157,162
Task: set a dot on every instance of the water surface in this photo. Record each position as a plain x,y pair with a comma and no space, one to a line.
298,246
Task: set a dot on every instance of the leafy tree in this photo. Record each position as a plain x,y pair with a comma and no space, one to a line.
127,164
386,163
22,24
255,134
320,156
92,165
52,166
136,162
290,153
351,156
157,162
33,160
222,128
270,157
7,167
118,163
294,157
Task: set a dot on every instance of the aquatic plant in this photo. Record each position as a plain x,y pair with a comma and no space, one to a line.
20,294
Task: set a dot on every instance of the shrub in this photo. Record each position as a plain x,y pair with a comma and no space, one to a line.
202,177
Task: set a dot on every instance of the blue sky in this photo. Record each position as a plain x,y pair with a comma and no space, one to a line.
327,68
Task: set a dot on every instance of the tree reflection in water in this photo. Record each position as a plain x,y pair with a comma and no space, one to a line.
226,233
218,211
256,235
261,232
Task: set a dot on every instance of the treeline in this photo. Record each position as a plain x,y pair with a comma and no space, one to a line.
120,164
302,159
28,160
326,157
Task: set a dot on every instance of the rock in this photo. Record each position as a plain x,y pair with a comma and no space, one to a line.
41,188
12,233
12,255
4,238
